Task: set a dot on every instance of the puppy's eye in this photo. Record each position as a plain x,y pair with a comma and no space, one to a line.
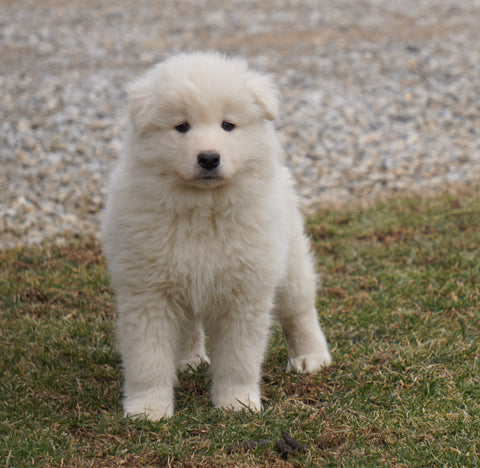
228,126
184,127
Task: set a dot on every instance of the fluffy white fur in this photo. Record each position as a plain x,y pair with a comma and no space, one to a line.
191,249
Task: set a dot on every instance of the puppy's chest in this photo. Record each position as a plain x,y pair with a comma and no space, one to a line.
202,245
210,258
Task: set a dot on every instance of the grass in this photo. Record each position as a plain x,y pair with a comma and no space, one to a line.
400,304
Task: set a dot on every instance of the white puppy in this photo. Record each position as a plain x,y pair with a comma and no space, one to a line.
202,231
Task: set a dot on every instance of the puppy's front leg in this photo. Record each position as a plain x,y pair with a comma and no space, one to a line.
238,343
147,335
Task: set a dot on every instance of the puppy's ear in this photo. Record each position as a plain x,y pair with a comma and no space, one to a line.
265,93
141,100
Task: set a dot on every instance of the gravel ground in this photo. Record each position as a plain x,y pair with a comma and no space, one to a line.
380,96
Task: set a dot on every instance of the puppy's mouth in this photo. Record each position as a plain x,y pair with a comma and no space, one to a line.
208,180
208,176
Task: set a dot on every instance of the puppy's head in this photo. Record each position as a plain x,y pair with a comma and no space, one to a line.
203,119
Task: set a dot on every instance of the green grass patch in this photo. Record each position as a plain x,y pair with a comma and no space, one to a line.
400,304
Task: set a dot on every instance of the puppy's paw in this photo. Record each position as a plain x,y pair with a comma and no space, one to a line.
308,363
193,363
140,408
241,404
237,398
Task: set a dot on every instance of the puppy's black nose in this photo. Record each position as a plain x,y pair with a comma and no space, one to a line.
208,161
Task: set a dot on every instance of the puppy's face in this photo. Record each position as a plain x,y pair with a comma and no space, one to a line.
203,119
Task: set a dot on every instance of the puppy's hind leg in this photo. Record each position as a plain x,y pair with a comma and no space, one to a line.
192,347
295,308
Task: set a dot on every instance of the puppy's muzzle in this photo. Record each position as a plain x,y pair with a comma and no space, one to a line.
208,160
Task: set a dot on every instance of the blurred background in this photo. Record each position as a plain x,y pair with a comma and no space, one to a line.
380,97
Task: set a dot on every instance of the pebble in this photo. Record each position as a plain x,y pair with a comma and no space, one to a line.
378,97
